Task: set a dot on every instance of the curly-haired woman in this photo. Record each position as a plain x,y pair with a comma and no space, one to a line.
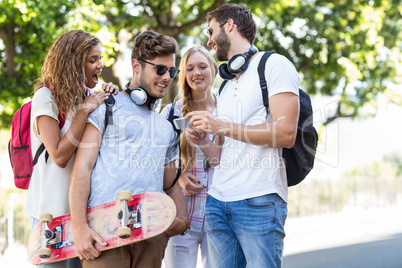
198,71
72,65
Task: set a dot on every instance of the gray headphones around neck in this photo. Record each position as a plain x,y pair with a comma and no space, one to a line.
139,96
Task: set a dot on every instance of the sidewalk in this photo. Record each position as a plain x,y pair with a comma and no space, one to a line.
351,226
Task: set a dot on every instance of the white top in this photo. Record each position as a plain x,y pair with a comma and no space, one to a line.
247,170
48,189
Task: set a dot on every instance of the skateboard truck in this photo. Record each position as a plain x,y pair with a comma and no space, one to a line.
49,237
127,217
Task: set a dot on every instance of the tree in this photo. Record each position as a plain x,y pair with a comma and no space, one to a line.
124,20
348,48
27,30
344,48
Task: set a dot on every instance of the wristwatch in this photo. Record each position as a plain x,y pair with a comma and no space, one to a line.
187,225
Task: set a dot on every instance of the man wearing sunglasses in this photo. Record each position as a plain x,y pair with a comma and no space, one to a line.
136,153
247,203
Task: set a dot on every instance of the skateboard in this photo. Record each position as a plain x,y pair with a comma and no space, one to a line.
121,222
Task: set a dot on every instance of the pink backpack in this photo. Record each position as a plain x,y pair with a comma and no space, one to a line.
19,146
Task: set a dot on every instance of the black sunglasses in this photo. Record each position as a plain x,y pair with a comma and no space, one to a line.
162,69
210,31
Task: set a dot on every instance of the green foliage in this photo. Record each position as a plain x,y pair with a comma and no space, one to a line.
396,161
349,48
341,48
27,30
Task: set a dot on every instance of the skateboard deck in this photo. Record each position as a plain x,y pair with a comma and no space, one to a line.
146,215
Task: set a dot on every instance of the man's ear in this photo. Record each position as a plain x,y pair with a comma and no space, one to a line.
136,66
230,25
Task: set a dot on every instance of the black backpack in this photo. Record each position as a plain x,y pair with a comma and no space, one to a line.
177,141
299,160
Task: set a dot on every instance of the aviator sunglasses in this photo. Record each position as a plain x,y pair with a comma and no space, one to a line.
162,69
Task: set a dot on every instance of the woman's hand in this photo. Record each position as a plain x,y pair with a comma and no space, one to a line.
197,137
190,183
110,88
94,100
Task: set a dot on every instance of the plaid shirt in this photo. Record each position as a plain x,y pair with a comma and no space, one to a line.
195,203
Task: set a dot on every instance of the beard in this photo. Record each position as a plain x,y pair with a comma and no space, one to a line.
142,83
223,44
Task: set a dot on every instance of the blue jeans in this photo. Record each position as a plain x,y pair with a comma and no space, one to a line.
246,233
71,263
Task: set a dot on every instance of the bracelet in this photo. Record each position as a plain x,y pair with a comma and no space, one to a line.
187,225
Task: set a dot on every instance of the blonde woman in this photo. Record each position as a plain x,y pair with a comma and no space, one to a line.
72,65
198,71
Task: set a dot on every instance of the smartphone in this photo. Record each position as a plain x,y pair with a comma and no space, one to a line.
181,123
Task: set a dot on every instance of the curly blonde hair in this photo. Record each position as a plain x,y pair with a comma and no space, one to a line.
63,70
187,148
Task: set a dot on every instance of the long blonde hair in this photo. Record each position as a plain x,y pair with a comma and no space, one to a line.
187,148
63,70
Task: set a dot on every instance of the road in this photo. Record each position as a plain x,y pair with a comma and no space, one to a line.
385,252
354,238
369,238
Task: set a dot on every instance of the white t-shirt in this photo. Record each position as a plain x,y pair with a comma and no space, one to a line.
48,189
247,170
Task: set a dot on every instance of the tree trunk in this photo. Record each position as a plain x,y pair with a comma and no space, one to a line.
108,74
8,36
111,74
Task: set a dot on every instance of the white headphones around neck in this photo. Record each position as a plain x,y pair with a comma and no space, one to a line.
139,96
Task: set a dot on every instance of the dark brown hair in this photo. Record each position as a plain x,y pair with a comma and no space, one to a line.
241,16
149,45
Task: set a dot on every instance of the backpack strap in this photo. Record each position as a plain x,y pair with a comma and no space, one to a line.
62,120
109,111
38,153
263,81
222,86
177,141
171,115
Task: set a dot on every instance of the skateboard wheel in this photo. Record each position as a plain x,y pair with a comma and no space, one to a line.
124,232
125,196
44,253
46,217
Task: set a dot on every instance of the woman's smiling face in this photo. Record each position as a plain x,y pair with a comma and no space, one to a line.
198,72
